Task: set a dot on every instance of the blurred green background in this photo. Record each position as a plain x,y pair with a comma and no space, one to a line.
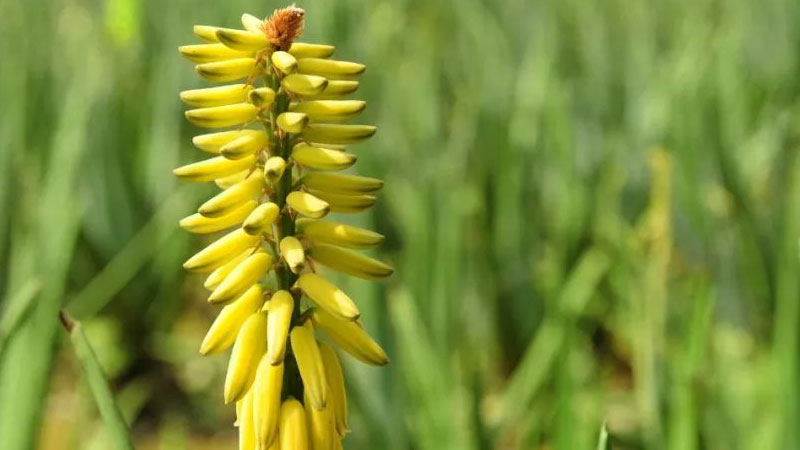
593,209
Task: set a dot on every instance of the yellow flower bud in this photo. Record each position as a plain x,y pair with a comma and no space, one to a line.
221,251
230,199
204,53
337,183
222,116
226,326
247,273
285,62
303,50
206,33
274,168
261,217
327,133
262,97
327,296
267,406
213,142
249,347
200,224
350,262
244,146
350,337
281,306
322,158
246,41
229,70
309,361
304,84
329,110
293,253
307,204
340,203
213,168
252,23
292,122
294,433
328,67
343,235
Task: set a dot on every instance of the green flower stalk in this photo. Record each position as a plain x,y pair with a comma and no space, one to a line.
275,166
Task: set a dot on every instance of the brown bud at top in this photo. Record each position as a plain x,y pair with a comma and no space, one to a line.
284,26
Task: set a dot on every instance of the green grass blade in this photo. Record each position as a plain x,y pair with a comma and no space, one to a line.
115,423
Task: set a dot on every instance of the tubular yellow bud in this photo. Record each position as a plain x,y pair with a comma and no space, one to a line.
285,62
292,122
247,435
226,326
252,23
230,199
325,67
216,96
345,203
322,158
262,97
222,116
350,262
350,337
309,361
267,406
261,217
304,84
244,145
343,235
221,251
249,347
197,223
327,133
226,182
204,53
336,89
206,33
218,275
213,142
321,427
225,71
246,41
294,433
337,183
327,296
307,204
281,306
247,273
293,253
213,168
303,50
273,169
337,398
329,110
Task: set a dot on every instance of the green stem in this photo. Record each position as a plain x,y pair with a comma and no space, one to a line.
281,146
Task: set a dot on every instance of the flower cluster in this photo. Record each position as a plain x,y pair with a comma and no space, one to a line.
276,167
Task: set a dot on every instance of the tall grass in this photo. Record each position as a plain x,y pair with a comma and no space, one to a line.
593,209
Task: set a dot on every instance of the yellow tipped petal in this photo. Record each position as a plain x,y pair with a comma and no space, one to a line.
244,145
262,97
229,181
285,62
281,306
350,262
247,273
327,296
340,203
329,110
337,397
197,223
206,33
309,362
247,351
292,122
328,67
303,50
261,217
213,142
294,433
223,331
304,84
221,251
222,116
246,41
267,406
216,96
229,70
343,235
328,133
213,168
321,426
232,198
335,89
204,53
292,252
244,419
218,275
307,204
337,183
322,158
350,337
273,169
252,23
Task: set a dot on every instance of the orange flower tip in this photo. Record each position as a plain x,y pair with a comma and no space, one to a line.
284,26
